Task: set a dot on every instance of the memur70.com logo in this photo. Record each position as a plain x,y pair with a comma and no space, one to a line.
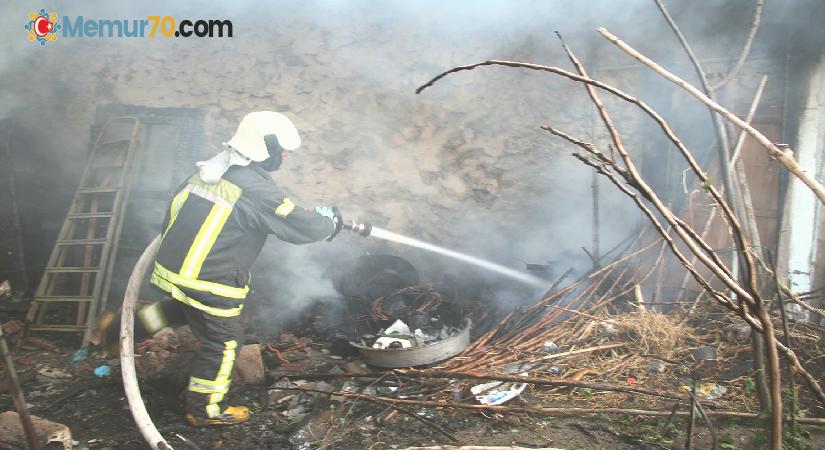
44,27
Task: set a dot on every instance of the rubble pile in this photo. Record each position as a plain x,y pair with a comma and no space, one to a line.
166,354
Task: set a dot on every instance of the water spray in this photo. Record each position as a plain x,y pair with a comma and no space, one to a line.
366,229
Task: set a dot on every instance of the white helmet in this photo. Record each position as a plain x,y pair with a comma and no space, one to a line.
249,139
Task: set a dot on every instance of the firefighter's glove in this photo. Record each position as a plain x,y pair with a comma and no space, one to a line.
334,215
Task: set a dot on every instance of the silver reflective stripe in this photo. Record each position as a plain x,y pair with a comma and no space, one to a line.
152,317
208,195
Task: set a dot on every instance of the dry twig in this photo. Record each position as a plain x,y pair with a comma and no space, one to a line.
757,17
783,156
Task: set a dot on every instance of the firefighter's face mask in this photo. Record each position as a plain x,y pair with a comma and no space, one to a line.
276,154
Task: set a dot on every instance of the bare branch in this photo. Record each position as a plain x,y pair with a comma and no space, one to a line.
783,156
694,165
757,17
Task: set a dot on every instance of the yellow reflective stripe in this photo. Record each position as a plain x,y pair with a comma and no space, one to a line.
180,296
225,371
228,191
205,239
174,209
212,386
285,207
220,385
201,285
201,389
203,381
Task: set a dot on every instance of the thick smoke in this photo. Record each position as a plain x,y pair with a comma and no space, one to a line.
463,164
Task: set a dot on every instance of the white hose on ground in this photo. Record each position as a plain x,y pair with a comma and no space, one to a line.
127,350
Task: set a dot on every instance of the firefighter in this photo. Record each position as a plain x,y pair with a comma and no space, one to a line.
215,227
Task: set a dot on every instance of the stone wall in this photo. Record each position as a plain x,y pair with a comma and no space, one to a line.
462,164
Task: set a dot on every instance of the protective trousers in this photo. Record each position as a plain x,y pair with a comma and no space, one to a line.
211,372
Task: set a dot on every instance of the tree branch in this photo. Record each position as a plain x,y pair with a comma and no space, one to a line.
757,17
783,156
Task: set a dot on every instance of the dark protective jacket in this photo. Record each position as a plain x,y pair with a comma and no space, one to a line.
213,233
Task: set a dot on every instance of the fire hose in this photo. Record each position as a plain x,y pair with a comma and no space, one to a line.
127,340
127,350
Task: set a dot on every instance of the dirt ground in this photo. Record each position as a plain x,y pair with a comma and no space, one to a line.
96,411
61,386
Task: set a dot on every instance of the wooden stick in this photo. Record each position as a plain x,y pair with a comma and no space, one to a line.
757,324
721,132
705,416
791,295
757,17
477,447
737,149
728,213
584,350
783,156
539,381
565,411
415,416
757,97
787,338
17,395
742,294
749,270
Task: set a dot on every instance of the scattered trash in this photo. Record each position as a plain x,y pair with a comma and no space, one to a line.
396,335
103,371
511,369
496,392
81,354
50,372
550,347
553,370
632,380
708,391
656,366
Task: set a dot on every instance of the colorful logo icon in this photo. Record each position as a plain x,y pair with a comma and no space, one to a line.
42,26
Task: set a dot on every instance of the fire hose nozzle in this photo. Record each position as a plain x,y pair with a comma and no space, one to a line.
364,229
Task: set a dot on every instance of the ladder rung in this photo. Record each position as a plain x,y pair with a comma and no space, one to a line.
72,269
103,145
62,298
89,215
97,190
67,328
80,241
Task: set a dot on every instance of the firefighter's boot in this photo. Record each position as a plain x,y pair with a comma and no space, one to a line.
230,416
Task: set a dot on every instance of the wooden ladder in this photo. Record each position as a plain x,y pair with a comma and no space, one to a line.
79,268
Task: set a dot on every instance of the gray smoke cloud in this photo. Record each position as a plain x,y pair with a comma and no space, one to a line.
463,165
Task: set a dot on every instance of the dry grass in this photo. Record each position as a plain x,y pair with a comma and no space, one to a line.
652,332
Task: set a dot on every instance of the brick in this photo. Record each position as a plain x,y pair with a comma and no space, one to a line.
249,365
